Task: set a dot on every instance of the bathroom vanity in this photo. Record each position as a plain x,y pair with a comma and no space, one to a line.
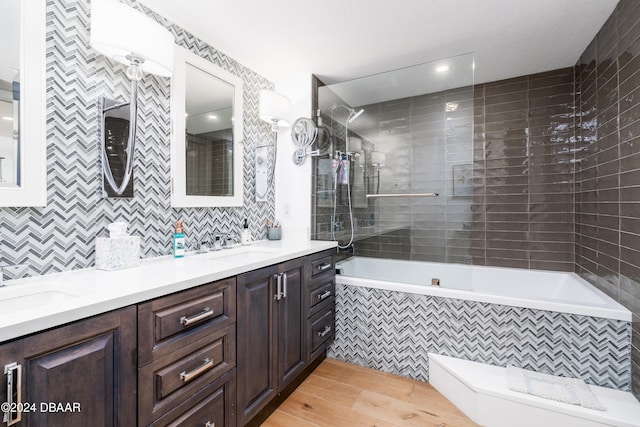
220,340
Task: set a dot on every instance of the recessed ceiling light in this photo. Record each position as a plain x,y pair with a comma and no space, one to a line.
442,68
212,116
7,118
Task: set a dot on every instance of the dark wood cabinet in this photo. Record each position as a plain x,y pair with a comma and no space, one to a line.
278,338
271,336
320,300
187,352
291,337
211,406
220,354
257,356
77,375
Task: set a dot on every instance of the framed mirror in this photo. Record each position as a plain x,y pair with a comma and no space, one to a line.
206,150
22,103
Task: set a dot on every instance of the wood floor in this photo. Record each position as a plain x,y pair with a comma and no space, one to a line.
341,394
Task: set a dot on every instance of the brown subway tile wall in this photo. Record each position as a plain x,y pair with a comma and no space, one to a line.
521,212
423,143
524,165
607,184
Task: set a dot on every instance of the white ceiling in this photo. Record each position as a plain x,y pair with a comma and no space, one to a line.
344,39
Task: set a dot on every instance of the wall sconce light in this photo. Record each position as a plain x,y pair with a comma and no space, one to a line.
378,158
355,146
127,36
274,109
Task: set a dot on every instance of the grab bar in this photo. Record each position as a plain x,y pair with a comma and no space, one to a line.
372,196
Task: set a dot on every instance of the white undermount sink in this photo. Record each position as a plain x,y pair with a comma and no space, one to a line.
244,254
32,296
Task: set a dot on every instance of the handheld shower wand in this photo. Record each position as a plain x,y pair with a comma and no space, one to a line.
353,115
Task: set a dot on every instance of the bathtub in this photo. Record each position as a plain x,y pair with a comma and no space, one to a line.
389,317
542,290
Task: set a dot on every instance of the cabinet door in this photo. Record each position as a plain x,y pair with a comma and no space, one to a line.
290,323
256,355
84,373
11,386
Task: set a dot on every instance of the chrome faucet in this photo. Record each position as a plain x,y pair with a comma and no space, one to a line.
219,241
3,267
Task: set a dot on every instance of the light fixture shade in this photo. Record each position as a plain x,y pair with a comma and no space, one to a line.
355,144
273,106
378,158
118,30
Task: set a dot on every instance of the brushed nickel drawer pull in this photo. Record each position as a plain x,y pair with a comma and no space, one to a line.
324,266
186,321
324,295
278,294
324,331
209,424
284,285
186,377
13,371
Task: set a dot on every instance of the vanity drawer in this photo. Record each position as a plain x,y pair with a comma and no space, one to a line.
181,372
321,292
321,329
171,380
183,317
167,323
323,264
214,405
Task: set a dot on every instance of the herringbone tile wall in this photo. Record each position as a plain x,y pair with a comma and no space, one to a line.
62,235
393,332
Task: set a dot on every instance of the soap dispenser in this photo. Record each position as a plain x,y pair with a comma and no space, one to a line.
245,235
179,241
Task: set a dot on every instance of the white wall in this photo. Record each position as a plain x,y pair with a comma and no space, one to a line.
293,183
7,156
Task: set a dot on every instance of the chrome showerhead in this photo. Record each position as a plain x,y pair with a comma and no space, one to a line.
353,115
352,112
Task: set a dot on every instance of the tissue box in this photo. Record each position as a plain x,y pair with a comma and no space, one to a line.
115,253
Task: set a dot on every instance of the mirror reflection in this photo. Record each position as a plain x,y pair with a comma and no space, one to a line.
208,134
10,93
206,149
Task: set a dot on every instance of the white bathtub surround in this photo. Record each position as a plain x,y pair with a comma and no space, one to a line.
38,303
392,326
481,392
543,290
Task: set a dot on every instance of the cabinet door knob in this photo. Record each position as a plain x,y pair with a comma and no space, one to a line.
209,424
188,320
13,414
186,377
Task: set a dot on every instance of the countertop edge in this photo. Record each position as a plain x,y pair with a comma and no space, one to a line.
173,275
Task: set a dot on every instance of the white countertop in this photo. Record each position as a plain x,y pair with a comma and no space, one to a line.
37,303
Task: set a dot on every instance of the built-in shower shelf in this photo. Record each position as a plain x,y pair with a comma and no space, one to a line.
481,392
